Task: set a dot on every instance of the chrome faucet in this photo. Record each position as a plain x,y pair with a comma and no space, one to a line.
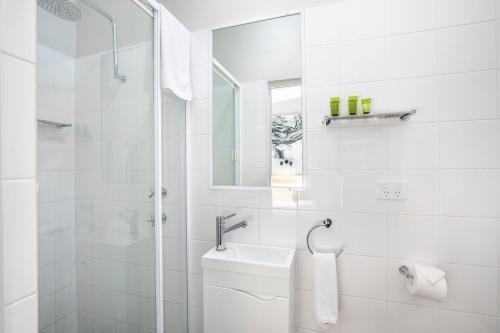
221,230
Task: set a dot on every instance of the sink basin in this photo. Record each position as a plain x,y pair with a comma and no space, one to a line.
251,259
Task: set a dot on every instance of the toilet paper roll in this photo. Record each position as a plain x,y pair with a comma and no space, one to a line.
420,285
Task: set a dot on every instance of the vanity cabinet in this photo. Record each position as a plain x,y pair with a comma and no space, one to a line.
248,296
231,310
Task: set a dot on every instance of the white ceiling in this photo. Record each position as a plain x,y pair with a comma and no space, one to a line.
267,50
208,14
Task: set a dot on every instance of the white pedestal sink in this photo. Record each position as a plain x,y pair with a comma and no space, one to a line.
249,289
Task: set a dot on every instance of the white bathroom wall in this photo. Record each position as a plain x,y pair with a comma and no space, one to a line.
18,260
438,56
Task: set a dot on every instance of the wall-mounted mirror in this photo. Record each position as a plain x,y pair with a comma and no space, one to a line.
257,134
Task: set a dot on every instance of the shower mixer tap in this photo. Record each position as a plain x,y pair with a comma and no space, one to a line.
163,193
163,219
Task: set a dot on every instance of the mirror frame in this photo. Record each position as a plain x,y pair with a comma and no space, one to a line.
303,102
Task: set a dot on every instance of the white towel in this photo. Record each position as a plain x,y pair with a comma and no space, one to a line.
326,298
175,55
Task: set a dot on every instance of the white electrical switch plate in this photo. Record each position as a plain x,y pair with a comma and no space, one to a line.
392,190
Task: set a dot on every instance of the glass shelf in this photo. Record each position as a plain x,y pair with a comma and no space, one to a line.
403,116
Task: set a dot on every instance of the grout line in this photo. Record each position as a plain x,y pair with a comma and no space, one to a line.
26,179
22,299
436,29
17,57
388,258
437,75
438,109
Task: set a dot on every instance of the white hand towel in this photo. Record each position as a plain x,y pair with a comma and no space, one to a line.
326,298
175,55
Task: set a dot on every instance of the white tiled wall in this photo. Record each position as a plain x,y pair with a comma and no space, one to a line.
437,56
18,227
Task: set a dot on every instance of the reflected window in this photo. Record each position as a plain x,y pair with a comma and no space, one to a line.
286,132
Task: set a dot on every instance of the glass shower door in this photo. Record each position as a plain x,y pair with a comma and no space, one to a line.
99,240
115,176
97,253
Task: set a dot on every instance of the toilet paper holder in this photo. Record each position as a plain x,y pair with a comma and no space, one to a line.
327,223
405,271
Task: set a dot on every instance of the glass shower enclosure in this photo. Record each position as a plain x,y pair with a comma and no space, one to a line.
111,172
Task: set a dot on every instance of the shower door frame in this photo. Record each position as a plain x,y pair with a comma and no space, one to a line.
154,12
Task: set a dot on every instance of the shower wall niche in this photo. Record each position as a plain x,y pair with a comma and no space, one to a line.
96,178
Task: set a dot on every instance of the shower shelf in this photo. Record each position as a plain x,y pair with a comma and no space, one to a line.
53,123
403,116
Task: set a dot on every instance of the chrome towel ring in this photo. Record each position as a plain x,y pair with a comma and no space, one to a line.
327,224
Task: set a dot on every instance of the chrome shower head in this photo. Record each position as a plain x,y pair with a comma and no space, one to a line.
64,9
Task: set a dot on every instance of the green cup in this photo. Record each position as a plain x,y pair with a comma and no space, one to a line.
352,103
334,106
366,104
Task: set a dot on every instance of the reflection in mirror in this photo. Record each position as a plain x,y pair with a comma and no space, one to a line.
257,104
286,131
